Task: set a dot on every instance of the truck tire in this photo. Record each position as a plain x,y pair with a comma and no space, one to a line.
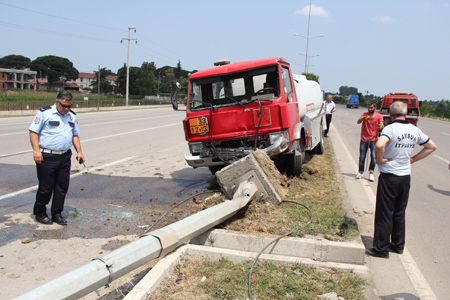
320,148
297,166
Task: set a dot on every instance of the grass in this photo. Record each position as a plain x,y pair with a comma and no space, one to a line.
197,278
319,189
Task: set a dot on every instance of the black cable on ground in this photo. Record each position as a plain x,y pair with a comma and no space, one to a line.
274,241
160,218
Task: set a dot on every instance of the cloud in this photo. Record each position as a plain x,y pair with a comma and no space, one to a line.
315,11
383,19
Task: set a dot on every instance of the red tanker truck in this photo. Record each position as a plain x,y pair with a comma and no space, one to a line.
233,109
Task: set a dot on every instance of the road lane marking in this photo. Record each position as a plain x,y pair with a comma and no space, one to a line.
99,138
30,189
418,281
441,158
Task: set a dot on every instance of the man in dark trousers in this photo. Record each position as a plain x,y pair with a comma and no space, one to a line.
330,107
393,155
52,133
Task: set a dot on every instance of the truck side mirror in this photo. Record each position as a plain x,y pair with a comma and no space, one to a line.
174,85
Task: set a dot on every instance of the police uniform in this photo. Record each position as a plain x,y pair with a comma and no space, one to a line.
393,185
55,133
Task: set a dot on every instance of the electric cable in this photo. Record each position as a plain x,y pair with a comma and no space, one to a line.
259,124
274,241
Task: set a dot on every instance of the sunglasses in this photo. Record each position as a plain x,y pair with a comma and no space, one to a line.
64,106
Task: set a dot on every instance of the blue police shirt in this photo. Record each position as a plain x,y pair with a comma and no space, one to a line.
55,131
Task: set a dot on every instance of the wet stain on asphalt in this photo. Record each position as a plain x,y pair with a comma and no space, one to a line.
100,206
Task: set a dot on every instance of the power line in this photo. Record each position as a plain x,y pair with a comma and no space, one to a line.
58,17
54,32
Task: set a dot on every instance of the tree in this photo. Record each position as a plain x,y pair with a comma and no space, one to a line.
18,62
169,76
345,91
311,76
53,67
105,86
146,82
122,80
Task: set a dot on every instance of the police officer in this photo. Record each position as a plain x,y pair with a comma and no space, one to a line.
52,133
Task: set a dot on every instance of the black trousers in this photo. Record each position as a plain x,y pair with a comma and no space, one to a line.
328,120
54,176
392,199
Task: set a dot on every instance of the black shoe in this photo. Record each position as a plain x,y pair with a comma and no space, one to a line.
58,219
375,253
43,219
396,250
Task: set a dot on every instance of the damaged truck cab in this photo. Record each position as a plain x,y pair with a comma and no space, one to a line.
234,109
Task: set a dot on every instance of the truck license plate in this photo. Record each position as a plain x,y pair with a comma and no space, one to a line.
199,125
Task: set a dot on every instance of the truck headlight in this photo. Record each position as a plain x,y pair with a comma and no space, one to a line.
281,138
196,147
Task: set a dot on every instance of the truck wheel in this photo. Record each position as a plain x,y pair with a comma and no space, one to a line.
297,165
320,148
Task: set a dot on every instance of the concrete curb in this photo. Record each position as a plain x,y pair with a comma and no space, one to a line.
316,249
153,278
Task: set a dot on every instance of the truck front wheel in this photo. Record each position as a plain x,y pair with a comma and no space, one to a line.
297,165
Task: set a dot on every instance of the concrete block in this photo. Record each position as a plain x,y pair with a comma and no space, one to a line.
265,170
315,249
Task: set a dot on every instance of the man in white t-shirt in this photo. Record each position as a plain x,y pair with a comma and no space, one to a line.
393,156
330,107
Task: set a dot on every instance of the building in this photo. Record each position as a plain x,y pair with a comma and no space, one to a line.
17,79
57,85
85,80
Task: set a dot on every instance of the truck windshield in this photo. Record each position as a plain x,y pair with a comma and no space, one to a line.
234,88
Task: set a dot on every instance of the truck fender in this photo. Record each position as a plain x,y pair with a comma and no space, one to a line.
298,130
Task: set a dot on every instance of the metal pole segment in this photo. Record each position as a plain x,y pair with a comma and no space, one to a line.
95,274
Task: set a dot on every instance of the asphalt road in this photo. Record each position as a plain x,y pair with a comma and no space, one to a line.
135,158
427,237
134,171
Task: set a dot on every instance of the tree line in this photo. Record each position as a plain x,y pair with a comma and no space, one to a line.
144,80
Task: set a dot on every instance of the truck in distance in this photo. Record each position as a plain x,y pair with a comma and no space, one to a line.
353,101
233,109
409,99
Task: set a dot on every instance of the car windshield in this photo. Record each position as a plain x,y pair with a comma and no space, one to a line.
234,88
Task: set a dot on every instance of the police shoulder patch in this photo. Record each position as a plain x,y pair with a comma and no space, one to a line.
45,108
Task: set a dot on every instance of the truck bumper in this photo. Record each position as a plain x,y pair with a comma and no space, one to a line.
279,144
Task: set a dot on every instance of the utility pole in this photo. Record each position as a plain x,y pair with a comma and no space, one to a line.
98,88
128,61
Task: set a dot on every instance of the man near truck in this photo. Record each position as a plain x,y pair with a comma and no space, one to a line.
371,123
393,153
330,107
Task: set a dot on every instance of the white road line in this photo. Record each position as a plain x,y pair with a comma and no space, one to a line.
418,281
30,189
441,158
445,133
99,138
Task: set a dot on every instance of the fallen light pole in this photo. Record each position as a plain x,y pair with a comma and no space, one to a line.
102,271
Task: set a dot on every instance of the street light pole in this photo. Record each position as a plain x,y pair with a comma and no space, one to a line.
307,39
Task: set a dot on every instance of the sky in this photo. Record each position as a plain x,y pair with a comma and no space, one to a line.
376,46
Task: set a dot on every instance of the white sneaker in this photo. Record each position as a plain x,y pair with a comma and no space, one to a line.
359,176
371,177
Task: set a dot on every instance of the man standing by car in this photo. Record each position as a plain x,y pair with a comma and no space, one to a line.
52,133
371,123
393,153
330,107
